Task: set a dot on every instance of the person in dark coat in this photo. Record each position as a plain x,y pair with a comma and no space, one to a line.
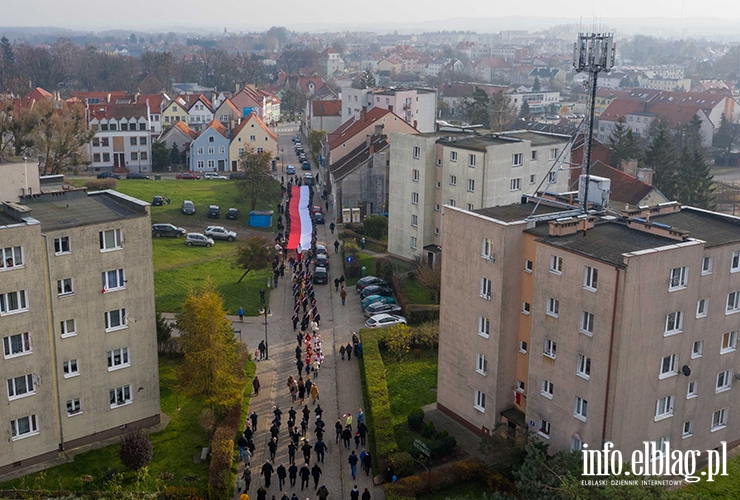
318,411
316,473
338,428
348,349
242,446
357,439
305,473
248,433
341,351
247,478
272,445
320,449
261,493
306,411
292,413
366,495
354,494
256,385
362,429
253,418
353,463
292,474
306,449
267,471
282,474
304,427
299,365
291,452
346,436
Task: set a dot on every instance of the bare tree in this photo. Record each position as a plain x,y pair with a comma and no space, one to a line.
60,136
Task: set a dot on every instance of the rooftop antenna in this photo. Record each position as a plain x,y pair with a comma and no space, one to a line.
593,52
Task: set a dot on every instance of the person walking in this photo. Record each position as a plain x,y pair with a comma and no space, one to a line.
299,365
343,295
272,445
336,246
348,350
240,312
314,392
336,284
267,471
247,455
341,351
346,436
362,243
331,227
282,474
362,429
338,428
253,419
348,421
353,464
354,494
305,473
323,492
304,427
366,495
261,349
316,473
357,439
292,474
291,452
242,442
301,389
261,493
319,411
306,449
320,449
256,385
367,463
360,416
247,478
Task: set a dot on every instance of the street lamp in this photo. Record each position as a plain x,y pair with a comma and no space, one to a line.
267,313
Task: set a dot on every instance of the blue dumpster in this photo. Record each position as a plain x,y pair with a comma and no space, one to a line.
260,218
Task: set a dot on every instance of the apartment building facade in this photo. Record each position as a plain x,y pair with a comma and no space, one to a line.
78,322
592,329
470,171
122,138
417,107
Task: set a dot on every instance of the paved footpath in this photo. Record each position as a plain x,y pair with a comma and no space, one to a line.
338,382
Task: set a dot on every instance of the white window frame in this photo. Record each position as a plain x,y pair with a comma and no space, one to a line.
415,175
723,382
12,386
661,447
701,308
729,342
547,388
120,280
523,346
552,177
697,349
453,180
123,318
212,150
416,152
532,178
544,429
26,345
678,279
719,419
583,366
517,159
60,244
471,160
587,323
520,386
550,348
33,428
74,407
733,303
735,262
117,243
65,286
221,150
124,359
553,307
484,327
436,207
673,323
415,198
668,366
580,408
553,154
688,429
486,248
556,264
21,298
533,155
485,288
71,368
707,263
528,266
590,278
692,389
120,396
481,364
414,220
413,242
471,185
575,444
479,401
68,328
526,308
664,408
453,156
12,258
515,184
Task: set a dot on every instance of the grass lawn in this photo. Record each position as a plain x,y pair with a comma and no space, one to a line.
721,487
173,449
417,293
409,386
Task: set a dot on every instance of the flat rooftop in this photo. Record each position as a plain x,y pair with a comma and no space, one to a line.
716,229
473,142
538,139
517,212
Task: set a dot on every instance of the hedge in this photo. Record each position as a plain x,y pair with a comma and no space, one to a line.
220,483
384,268
370,243
421,313
375,392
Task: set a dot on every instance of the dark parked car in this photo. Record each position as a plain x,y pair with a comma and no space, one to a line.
136,175
370,280
308,179
187,175
159,230
158,201
320,276
322,261
108,175
213,212
318,218
376,290
232,214
380,308
188,207
305,165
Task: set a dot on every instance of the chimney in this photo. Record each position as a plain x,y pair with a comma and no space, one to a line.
629,167
390,108
645,175
363,113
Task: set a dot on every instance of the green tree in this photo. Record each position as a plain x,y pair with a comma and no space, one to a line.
6,122
524,110
7,63
622,144
164,330
209,348
136,450
501,111
61,136
256,167
690,135
252,255
376,226
175,154
367,79
536,85
397,340
661,157
476,111
160,156
696,182
314,141
726,135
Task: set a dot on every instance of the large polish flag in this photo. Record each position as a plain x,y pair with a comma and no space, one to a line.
300,219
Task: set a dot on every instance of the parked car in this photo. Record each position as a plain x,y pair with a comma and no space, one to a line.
158,201
376,290
197,239
319,218
370,280
381,320
322,261
187,175
320,276
316,209
304,159
220,233
321,249
372,299
214,175
290,169
108,175
232,213
213,212
308,179
188,207
380,308
136,175
159,230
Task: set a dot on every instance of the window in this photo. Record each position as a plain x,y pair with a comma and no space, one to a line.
661,448
113,280
701,308
96,142
515,184
415,198
21,386
106,157
517,160
486,250
706,265
471,160
719,419
211,164
134,156
532,178
528,266
221,150
550,348
688,429
252,138
526,308
533,155
453,156
556,264
439,162
110,239
415,175
724,381
668,366
17,345
23,427
735,266
118,358
480,401
11,257
692,390
61,245
211,150
523,347
580,408
485,288
553,307
436,231
132,141
64,287
664,408
590,278
481,365
201,164
70,368
471,185
120,396
583,366
115,319
729,342
552,177
697,349
553,154
544,430
674,323
73,407
416,152
413,242
520,385
452,202
13,302
438,185
733,303
414,220
679,278
547,389
96,157
453,180
200,151
587,323
484,326
68,327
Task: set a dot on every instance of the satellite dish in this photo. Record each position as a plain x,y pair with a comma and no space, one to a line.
686,370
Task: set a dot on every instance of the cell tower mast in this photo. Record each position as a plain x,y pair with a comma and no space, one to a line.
593,52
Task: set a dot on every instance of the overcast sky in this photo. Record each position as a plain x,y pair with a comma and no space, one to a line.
95,15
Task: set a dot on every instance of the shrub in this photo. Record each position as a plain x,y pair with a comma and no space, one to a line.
401,298
222,454
181,493
429,430
419,313
402,463
376,226
164,330
415,419
427,334
441,446
98,184
370,243
384,269
207,420
136,450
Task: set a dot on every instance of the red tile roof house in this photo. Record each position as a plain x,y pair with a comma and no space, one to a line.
324,115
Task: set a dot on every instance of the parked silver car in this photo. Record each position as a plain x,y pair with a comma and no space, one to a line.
197,239
220,233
